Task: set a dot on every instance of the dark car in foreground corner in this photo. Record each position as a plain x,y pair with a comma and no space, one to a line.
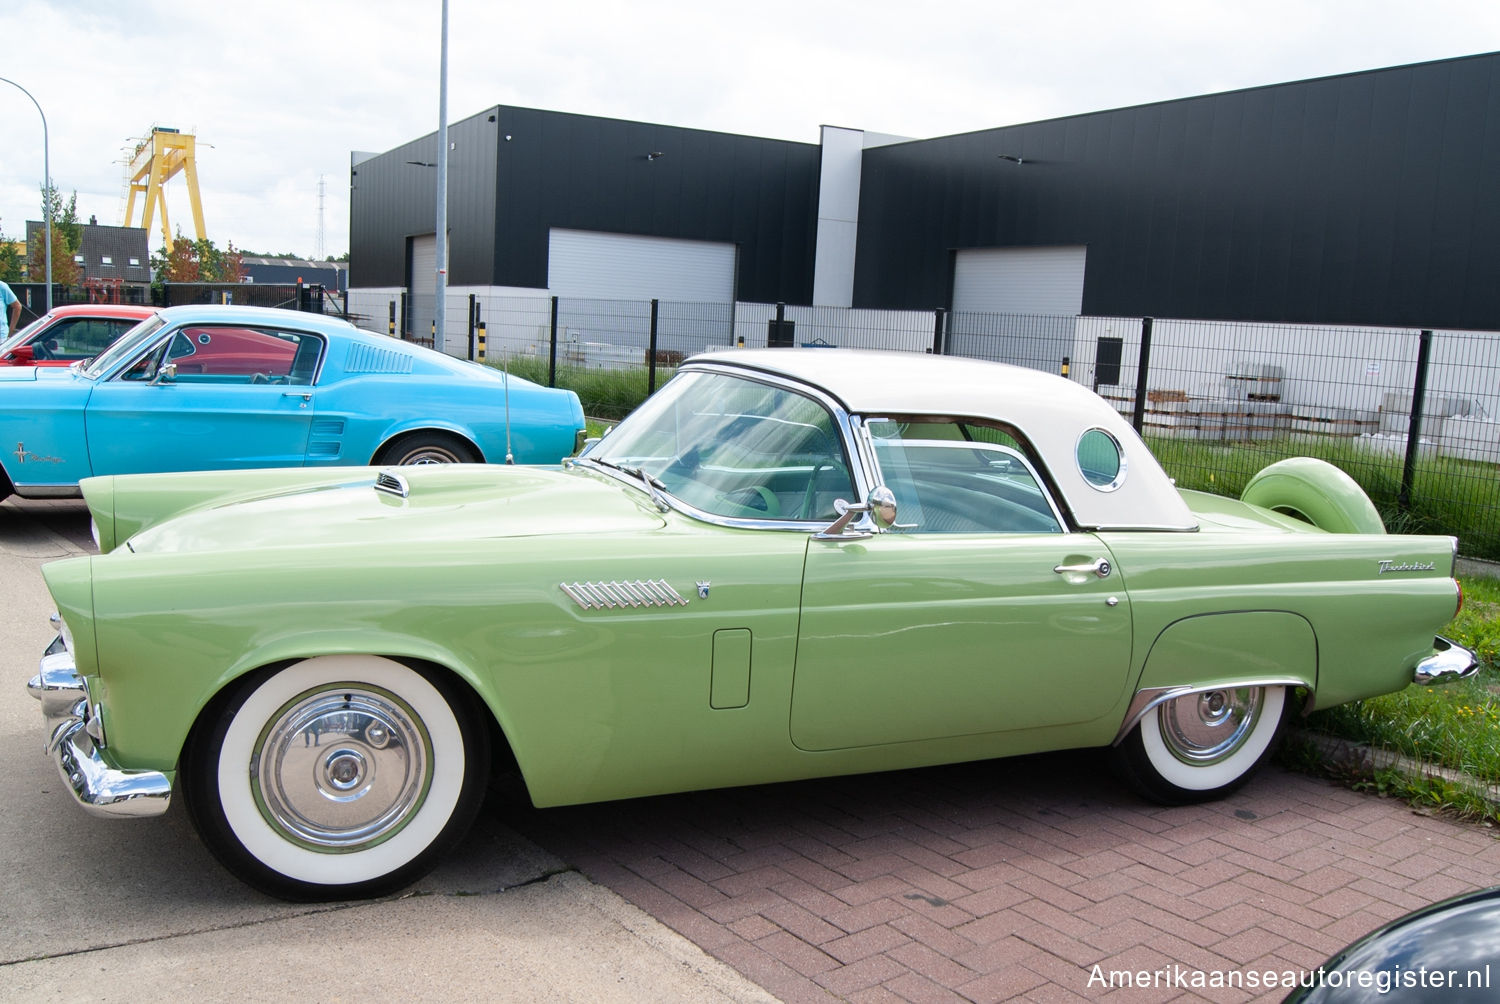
1449,951
786,564
198,388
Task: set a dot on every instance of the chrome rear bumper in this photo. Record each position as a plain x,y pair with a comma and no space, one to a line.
1447,663
74,740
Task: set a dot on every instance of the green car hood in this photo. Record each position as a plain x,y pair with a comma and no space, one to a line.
443,502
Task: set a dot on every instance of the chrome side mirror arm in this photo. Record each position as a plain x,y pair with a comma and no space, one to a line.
880,504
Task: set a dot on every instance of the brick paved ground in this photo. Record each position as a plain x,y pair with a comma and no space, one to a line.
1012,879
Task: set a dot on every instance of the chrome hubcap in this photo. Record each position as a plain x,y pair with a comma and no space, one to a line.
1205,728
428,455
342,770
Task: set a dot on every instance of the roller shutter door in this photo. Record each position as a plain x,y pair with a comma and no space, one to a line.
1019,280
600,266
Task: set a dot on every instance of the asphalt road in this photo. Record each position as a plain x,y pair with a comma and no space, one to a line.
137,910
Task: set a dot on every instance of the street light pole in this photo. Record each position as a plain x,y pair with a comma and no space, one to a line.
440,308
47,167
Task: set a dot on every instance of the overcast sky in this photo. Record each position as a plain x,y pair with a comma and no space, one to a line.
279,93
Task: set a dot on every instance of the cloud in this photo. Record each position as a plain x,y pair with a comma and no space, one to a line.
279,94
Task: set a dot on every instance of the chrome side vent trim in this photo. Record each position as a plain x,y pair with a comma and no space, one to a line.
392,484
640,593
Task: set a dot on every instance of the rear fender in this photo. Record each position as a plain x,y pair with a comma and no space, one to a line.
1211,651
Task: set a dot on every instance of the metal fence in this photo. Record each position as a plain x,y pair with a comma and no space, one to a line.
1413,415
290,296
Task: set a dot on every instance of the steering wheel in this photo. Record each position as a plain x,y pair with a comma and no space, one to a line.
810,496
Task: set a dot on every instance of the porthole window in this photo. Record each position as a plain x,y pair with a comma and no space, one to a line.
1100,460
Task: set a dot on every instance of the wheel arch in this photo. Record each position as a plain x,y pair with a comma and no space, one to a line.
427,427
270,661
1239,648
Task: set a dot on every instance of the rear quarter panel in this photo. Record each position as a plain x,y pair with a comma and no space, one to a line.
1370,628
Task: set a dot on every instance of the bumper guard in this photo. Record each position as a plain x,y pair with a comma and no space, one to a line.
74,741
1447,663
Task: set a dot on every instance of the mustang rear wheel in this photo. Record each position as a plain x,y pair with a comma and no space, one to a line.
426,448
1201,746
339,777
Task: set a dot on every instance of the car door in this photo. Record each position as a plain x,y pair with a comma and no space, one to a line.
978,614
206,397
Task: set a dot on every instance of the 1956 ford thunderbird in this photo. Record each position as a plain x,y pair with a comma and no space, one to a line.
786,564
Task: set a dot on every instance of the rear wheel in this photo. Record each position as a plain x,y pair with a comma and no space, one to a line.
426,448
339,777
1202,746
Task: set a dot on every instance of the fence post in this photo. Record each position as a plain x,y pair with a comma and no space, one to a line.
938,316
301,303
1414,428
405,316
390,325
651,353
481,342
473,314
1142,369
552,353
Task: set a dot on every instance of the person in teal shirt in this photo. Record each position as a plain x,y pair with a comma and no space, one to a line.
10,311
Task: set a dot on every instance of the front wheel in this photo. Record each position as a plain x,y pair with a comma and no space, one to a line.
1202,746
339,777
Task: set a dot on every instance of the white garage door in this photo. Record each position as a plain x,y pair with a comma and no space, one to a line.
1019,280
600,266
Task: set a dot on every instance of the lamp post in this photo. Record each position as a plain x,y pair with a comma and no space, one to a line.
47,168
440,308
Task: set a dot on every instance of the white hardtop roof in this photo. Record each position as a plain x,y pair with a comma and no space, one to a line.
1051,411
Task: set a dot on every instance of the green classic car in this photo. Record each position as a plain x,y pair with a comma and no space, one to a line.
786,564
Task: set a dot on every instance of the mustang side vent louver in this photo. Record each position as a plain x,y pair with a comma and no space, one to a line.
640,593
391,483
369,359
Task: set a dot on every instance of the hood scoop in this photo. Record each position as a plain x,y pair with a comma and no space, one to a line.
392,484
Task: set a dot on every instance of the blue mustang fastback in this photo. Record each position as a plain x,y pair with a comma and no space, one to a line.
230,388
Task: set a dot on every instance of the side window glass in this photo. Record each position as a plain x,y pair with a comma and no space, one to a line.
233,355
79,339
949,480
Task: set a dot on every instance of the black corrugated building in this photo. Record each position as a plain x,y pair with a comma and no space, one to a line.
1364,198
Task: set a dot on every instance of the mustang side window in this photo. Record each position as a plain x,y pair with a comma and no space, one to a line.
954,477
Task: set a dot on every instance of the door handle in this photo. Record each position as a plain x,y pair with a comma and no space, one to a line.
305,395
1099,566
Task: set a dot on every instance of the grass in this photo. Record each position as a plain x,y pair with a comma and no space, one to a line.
606,395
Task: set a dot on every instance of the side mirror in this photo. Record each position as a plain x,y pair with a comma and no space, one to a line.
165,374
880,504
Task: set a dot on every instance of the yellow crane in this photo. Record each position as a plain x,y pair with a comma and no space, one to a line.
157,159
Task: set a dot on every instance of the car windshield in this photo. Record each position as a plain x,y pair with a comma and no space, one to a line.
734,447
19,337
127,346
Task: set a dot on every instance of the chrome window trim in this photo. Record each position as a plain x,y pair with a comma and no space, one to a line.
1120,475
1011,452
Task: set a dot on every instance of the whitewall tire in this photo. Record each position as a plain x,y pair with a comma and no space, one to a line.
1204,745
338,777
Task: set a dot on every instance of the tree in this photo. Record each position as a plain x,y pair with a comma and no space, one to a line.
198,261
67,238
10,260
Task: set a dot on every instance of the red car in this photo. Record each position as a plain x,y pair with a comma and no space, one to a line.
68,334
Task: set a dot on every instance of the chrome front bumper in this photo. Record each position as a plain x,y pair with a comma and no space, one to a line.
1447,663
74,739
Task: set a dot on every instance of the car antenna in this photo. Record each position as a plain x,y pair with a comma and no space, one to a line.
510,458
